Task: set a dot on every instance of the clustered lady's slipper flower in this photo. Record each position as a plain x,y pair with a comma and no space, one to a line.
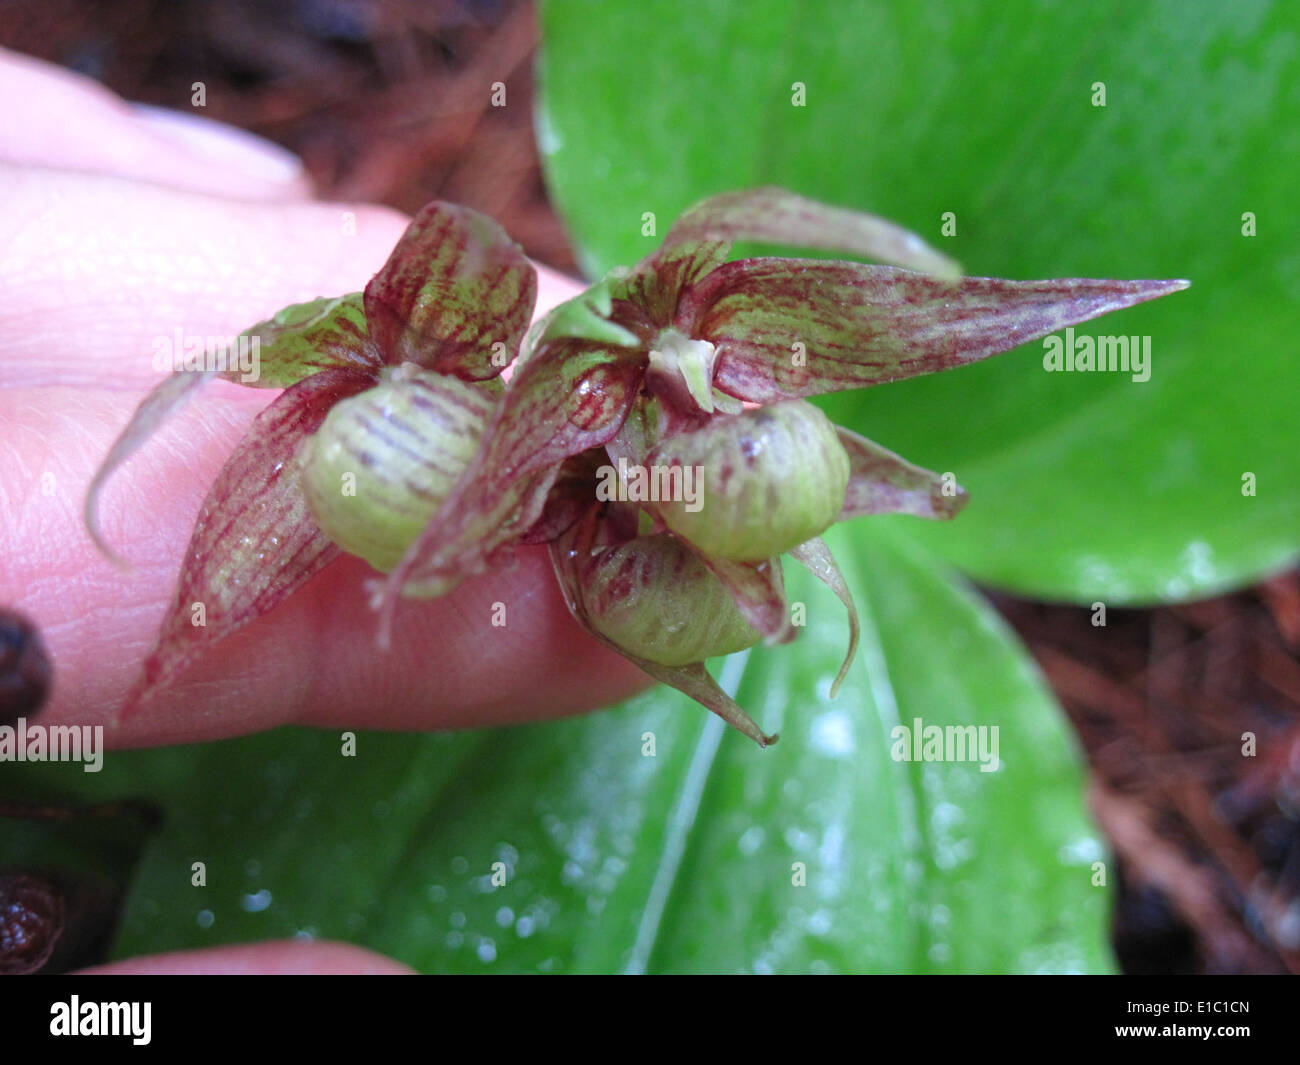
391,386
685,368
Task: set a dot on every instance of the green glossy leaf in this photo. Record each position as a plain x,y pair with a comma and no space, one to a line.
680,862
1082,485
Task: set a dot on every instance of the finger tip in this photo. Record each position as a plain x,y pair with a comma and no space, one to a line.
287,957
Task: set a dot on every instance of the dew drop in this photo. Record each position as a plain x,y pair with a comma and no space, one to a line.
597,398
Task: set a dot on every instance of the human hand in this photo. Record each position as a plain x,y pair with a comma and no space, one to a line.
122,226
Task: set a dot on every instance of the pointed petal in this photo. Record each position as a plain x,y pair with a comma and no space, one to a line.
693,680
794,327
455,287
817,557
306,338
255,541
777,216
568,397
759,591
167,396
881,482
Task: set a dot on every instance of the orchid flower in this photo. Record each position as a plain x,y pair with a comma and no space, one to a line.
656,367
398,380
688,364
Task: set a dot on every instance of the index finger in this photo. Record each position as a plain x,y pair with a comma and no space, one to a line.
313,659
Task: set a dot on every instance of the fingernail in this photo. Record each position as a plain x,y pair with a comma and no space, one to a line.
227,145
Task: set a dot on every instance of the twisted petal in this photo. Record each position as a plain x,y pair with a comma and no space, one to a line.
817,558
793,327
455,287
881,482
255,541
167,396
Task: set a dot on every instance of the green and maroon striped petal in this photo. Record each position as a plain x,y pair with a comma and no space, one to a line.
881,482
306,338
701,239
655,285
777,216
302,340
455,296
794,327
255,541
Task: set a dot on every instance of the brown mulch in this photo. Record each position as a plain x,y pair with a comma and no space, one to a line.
388,101
1165,702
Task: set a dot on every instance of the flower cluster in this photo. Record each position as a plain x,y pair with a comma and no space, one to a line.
396,439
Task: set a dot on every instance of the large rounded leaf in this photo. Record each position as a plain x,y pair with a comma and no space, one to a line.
579,847
1083,485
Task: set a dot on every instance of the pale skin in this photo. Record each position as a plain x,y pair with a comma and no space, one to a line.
117,229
